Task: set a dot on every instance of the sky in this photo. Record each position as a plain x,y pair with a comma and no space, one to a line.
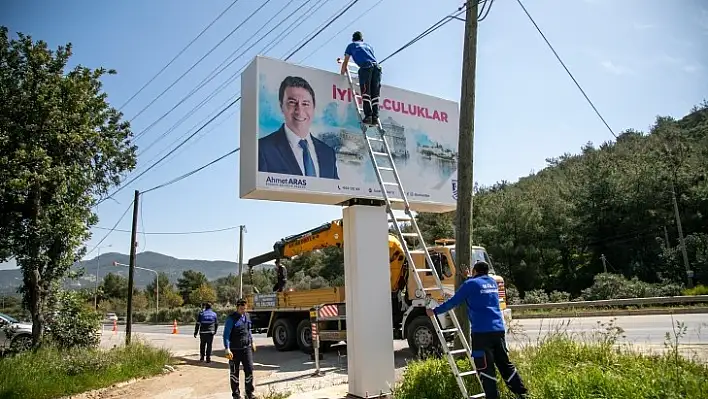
636,59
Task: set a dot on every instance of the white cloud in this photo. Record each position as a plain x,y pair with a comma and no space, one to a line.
691,68
641,26
615,69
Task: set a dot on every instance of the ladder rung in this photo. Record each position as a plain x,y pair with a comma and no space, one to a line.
478,396
449,330
388,183
401,219
410,235
424,270
399,200
457,351
385,168
466,373
383,154
428,289
374,138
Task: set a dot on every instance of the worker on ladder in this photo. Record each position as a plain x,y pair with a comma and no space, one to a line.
369,75
481,294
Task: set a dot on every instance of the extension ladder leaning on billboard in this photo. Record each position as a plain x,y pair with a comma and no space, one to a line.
390,168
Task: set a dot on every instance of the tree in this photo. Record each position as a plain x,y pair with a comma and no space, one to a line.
165,287
203,293
61,147
114,286
190,281
172,299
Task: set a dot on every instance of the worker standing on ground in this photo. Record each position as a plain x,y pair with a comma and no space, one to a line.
282,277
481,294
239,346
207,325
369,75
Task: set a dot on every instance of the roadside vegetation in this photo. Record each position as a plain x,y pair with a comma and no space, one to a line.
53,372
565,366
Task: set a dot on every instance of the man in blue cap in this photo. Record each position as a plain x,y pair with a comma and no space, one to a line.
239,346
481,294
207,325
369,75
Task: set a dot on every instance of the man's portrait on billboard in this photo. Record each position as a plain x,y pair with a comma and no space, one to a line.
292,149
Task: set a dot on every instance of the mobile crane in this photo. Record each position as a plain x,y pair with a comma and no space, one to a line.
285,315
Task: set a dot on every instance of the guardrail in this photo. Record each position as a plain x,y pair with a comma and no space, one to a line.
669,300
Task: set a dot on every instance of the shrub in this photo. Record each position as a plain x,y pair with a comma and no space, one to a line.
535,297
53,372
615,286
561,368
697,290
512,295
559,296
75,324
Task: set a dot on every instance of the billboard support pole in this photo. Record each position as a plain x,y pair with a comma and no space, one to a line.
368,305
465,176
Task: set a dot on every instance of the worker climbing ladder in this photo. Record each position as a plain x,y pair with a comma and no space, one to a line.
403,203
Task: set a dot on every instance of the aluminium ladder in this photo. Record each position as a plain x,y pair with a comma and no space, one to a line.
403,202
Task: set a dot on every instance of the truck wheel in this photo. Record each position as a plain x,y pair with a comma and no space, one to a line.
422,338
284,338
304,336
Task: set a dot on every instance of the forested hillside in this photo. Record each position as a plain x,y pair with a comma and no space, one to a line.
549,230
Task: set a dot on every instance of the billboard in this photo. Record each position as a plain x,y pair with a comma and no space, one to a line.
301,140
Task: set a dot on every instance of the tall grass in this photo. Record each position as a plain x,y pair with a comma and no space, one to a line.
560,366
51,373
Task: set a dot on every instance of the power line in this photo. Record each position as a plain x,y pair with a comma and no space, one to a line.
196,63
357,19
178,54
566,68
236,75
234,102
184,176
112,229
171,232
213,75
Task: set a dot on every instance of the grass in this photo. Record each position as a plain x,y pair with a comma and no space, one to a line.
52,373
609,311
561,367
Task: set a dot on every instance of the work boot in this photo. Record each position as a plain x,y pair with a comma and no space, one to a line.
368,120
375,121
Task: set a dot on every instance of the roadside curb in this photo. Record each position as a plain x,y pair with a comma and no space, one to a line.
614,312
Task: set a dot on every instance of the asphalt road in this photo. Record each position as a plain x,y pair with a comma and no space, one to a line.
647,331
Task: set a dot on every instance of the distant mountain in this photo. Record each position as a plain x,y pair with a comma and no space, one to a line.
213,269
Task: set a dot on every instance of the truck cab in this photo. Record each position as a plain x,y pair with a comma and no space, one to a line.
416,326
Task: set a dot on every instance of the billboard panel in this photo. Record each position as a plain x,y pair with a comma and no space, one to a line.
301,140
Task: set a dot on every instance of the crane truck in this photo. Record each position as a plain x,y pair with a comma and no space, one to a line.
285,315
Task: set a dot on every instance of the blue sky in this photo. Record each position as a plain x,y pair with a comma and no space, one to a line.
636,59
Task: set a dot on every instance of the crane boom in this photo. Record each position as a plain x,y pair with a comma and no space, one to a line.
330,234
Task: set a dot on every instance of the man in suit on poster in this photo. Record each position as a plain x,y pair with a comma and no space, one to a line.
292,149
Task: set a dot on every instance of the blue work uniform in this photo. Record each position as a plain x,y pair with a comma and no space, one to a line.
207,325
481,294
369,76
238,338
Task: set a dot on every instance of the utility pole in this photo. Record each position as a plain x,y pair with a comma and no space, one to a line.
682,242
131,270
604,262
242,228
465,176
666,237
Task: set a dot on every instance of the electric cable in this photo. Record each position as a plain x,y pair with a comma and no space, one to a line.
566,69
171,232
197,63
357,19
233,77
231,104
184,176
213,75
112,229
178,54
